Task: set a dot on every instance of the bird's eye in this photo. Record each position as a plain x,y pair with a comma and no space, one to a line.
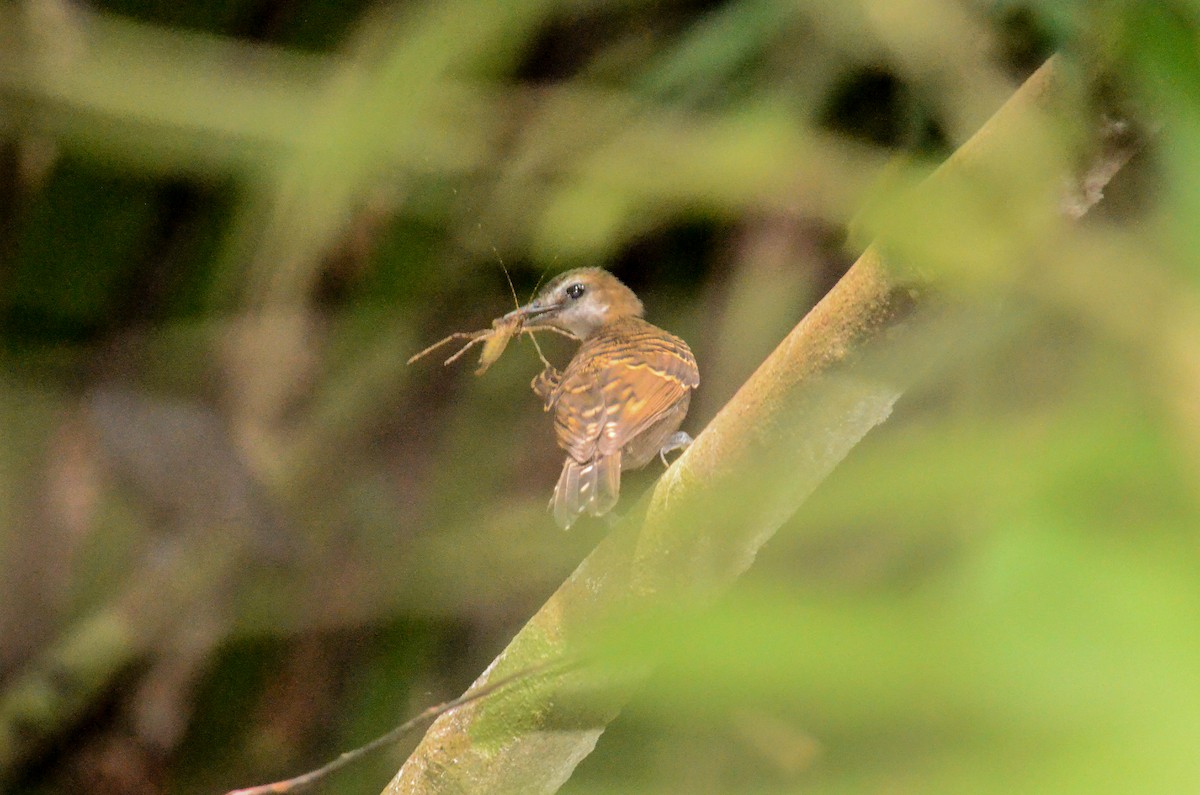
575,291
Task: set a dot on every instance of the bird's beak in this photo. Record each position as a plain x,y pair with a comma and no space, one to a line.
534,309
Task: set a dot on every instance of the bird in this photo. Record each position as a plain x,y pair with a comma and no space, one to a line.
620,401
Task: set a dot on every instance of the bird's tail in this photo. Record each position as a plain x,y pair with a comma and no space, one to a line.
592,486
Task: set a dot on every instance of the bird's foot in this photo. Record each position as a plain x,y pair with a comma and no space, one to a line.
544,384
676,441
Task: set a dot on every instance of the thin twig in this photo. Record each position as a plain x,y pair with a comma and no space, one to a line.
312,777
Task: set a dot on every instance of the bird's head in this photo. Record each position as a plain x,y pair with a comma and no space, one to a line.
581,301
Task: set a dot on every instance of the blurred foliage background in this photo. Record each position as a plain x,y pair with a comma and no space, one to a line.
239,535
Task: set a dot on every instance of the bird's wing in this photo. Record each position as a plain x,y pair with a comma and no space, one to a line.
614,391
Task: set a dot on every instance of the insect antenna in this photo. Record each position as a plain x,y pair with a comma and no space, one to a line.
512,290
517,303
541,277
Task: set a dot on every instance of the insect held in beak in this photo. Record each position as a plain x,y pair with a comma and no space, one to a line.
495,340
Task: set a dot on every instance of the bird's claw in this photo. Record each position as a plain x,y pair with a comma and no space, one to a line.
676,441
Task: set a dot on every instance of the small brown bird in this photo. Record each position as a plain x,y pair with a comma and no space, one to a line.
620,400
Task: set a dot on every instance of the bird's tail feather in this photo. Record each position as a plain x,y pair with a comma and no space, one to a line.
593,486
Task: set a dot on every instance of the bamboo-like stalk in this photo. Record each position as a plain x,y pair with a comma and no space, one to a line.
814,398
